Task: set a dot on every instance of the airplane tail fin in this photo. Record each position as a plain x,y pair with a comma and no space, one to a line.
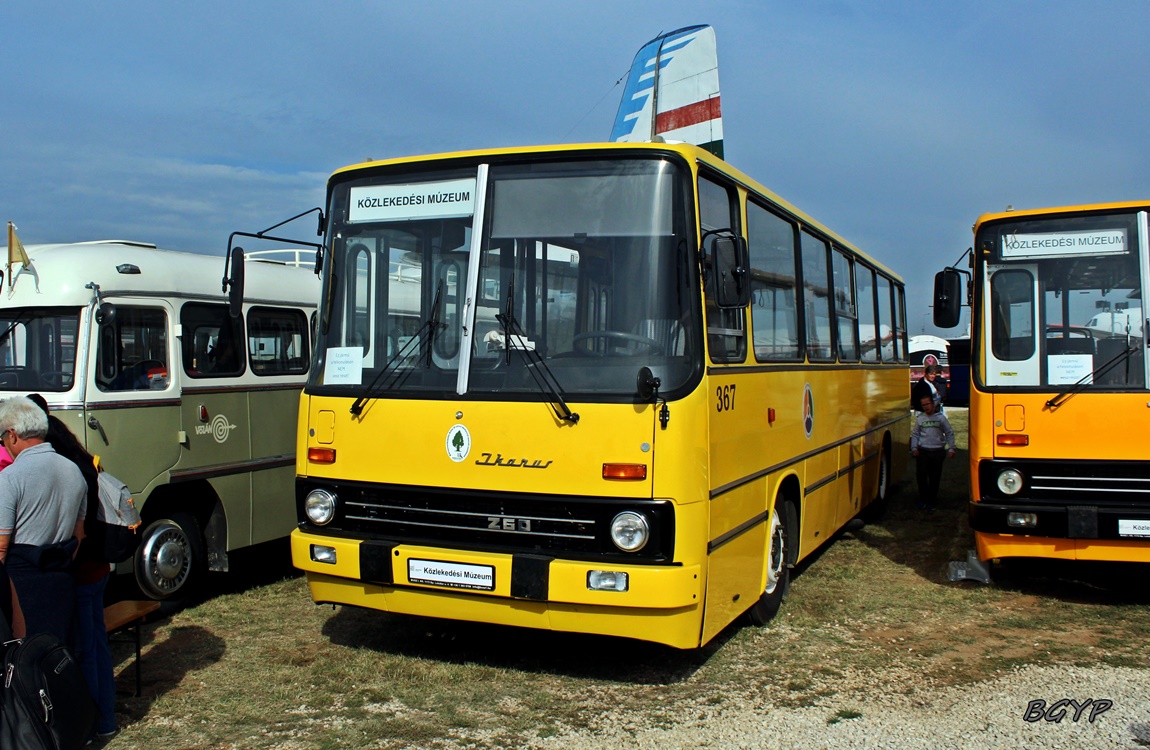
672,92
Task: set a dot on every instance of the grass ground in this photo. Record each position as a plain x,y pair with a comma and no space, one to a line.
261,667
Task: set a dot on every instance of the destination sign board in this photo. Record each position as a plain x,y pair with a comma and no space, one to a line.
424,200
1063,244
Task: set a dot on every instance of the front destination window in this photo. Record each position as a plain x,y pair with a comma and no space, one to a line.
1064,303
584,268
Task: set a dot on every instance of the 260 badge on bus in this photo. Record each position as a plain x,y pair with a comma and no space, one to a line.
454,575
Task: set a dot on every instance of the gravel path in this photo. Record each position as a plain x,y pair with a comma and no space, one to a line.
990,714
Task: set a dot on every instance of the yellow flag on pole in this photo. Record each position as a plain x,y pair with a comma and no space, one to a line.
16,252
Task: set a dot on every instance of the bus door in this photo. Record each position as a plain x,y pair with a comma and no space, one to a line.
279,347
131,403
214,413
1012,356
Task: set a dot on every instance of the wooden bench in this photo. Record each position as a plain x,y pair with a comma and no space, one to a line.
125,615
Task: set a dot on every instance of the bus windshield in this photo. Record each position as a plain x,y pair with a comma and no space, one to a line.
38,348
1064,303
583,267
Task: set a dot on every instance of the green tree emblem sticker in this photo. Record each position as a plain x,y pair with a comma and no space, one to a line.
458,443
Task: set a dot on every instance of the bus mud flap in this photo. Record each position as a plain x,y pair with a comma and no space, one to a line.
1082,522
530,576
375,561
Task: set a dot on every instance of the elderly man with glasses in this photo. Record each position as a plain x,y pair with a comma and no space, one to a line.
42,507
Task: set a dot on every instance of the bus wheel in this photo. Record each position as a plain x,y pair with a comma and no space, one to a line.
170,559
782,536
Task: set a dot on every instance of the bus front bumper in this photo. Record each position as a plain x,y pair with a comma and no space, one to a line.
661,603
1070,532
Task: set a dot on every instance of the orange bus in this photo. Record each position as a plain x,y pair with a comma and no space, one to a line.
1059,401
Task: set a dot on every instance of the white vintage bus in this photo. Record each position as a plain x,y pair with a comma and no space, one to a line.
134,349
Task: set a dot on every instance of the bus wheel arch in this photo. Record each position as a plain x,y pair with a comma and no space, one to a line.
179,534
782,552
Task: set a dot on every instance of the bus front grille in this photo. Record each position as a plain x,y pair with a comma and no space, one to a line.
1111,483
570,526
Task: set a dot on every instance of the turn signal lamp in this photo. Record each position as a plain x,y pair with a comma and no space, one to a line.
323,554
321,455
625,471
1013,440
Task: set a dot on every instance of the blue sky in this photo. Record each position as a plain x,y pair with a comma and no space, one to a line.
894,123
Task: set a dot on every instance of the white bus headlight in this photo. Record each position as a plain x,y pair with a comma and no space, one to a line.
607,580
629,531
319,507
1010,482
1022,520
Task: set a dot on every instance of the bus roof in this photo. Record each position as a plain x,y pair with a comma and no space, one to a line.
687,151
58,275
1022,213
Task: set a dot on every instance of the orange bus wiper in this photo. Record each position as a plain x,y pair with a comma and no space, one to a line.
1086,380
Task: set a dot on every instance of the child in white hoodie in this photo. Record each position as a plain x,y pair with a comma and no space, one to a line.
931,442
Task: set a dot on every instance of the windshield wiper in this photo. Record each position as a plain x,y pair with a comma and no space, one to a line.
23,317
433,325
515,337
1086,380
425,334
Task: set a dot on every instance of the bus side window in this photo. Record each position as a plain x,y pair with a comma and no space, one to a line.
845,314
886,329
277,341
726,329
774,285
900,324
132,352
212,341
868,315
817,298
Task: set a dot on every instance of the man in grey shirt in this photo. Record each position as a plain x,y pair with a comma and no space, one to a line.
42,508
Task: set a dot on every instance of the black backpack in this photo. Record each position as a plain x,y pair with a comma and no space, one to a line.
44,699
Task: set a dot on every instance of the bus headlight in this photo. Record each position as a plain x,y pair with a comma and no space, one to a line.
319,507
629,531
1010,482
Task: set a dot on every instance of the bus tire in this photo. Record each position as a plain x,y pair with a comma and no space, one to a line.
878,505
781,534
170,560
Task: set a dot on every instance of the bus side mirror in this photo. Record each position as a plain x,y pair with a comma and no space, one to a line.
731,268
105,314
947,298
647,385
235,284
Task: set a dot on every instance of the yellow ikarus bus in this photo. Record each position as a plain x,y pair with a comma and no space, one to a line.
135,349
1059,402
618,389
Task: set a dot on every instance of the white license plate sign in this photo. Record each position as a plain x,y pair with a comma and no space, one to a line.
454,575
1133,528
